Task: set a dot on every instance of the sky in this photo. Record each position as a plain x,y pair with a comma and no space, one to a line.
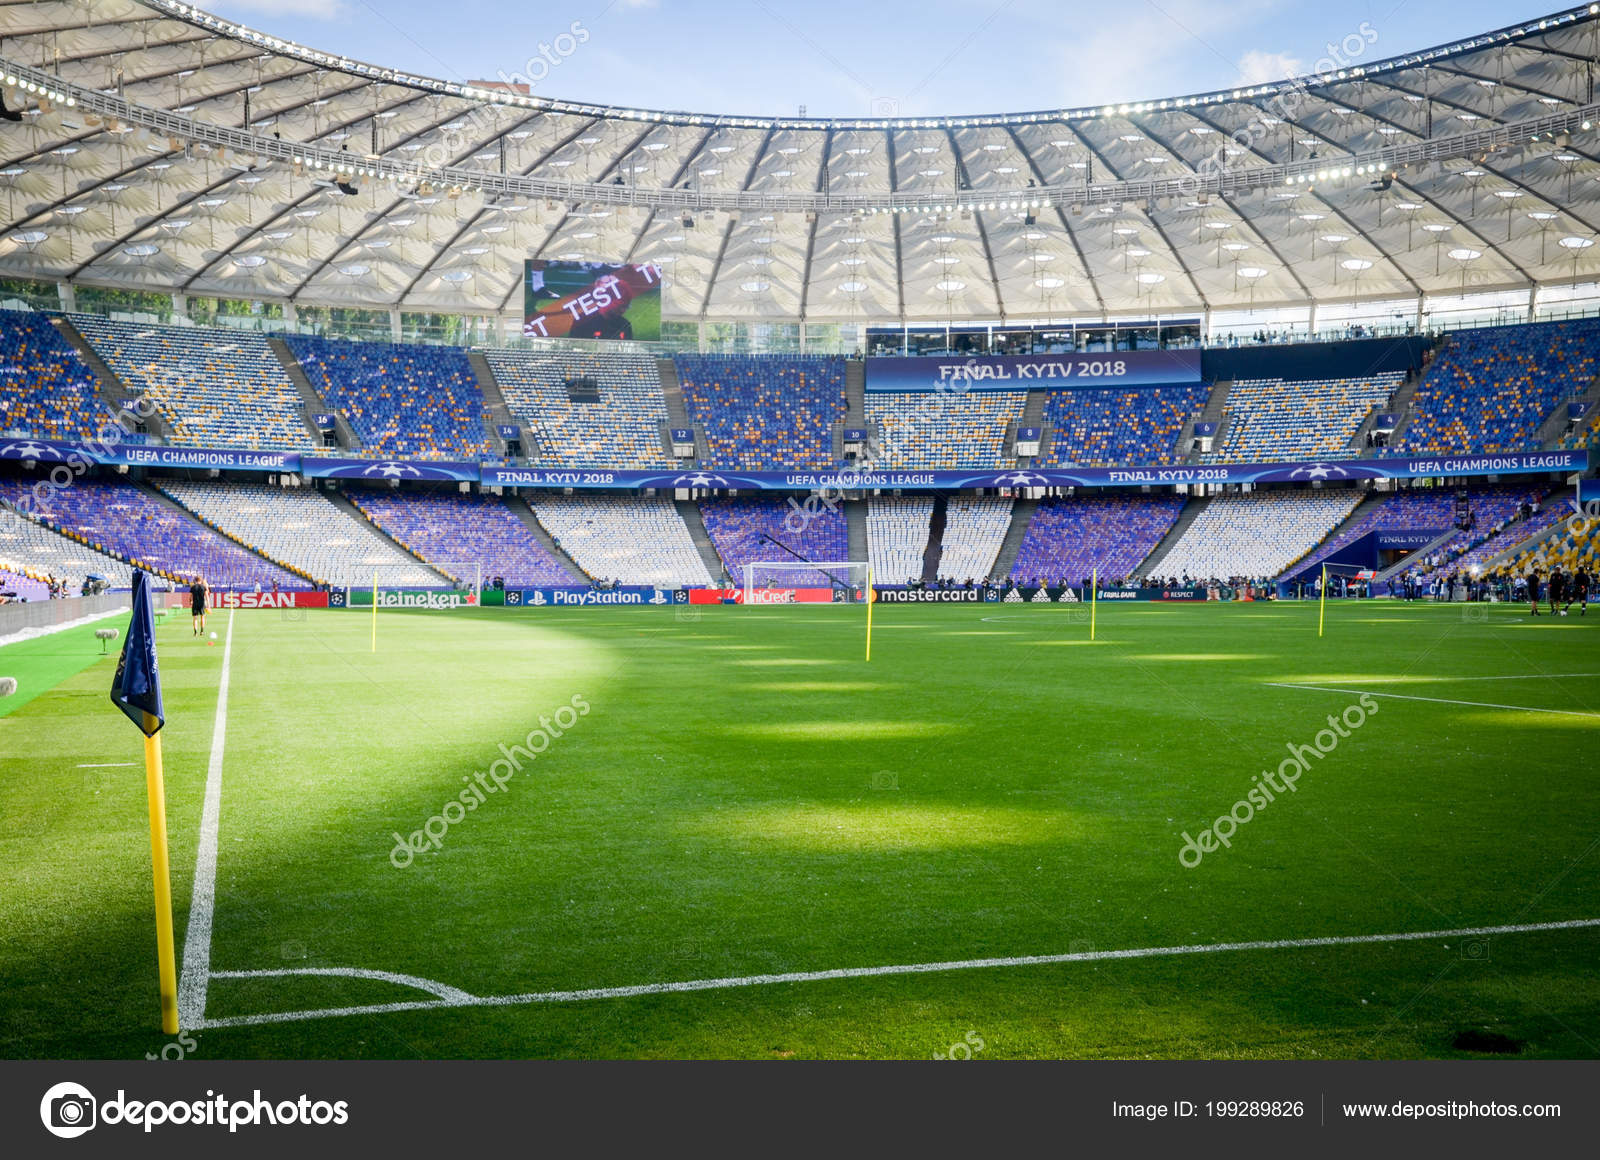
849,58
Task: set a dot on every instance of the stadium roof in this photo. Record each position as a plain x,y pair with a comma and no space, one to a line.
164,148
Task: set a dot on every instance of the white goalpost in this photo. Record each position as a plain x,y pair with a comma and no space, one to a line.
847,579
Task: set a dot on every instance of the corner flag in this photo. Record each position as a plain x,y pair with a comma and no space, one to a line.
136,690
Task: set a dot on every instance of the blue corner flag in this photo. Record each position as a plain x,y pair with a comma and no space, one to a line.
137,687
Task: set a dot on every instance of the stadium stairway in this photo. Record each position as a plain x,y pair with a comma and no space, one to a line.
312,403
339,501
495,412
1400,406
165,500
1032,416
1554,429
1021,516
519,508
1213,412
1191,512
678,410
112,389
689,512
855,517
934,552
855,394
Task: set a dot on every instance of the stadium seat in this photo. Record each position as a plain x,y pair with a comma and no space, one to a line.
1273,421
1256,534
767,413
452,527
418,402
623,429
1069,540
739,529
49,391
304,530
638,540
975,527
897,536
214,388
929,429
124,520
1489,390
1110,428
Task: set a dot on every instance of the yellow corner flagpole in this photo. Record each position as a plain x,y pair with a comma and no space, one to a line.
166,963
374,610
1094,599
870,602
1322,603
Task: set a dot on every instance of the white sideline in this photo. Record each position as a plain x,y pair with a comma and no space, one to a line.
1433,700
196,971
467,1000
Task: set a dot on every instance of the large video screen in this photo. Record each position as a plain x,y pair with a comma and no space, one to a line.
591,300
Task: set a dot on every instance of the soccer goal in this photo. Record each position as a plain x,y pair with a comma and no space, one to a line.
847,581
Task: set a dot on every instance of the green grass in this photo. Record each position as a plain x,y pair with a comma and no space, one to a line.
746,796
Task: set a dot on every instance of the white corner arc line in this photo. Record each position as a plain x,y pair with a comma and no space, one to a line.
871,972
1433,700
196,970
442,990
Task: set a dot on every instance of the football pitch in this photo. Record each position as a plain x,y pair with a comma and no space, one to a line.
718,832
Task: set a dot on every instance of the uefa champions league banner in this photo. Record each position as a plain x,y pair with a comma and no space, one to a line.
383,469
55,458
1113,371
51,454
1333,471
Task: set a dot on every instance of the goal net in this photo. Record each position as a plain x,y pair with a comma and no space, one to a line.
840,582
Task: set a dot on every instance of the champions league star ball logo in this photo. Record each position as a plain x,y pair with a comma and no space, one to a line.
700,479
1319,471
392,470
30,450
1020,479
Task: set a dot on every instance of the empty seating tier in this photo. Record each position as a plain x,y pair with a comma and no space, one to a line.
418,402
772,413
632,540
48,390
306,531
215,388
1104,428
621,429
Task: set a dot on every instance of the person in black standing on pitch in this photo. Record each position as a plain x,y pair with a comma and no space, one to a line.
1533,590
197,604
1579,590
1558,589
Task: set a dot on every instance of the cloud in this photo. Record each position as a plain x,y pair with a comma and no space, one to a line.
1259,68
311,9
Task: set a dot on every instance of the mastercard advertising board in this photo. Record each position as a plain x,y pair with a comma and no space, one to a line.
591,300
